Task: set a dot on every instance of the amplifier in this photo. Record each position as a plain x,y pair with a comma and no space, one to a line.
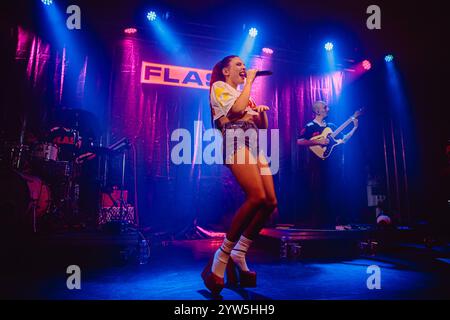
115,195
116,214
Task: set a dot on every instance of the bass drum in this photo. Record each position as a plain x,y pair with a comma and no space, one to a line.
24,199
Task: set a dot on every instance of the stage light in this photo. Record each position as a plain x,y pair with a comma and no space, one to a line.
328,46
151,16
366,64
166,36
267,51
47,2
130,30
389,58
253,32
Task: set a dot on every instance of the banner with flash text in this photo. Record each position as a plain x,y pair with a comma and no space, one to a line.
170,75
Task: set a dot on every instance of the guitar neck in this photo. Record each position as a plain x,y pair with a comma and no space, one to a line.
342,127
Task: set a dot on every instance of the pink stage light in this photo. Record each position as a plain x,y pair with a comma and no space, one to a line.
130,30
366,65
267,51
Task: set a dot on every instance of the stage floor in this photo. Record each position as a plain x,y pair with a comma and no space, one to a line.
408,271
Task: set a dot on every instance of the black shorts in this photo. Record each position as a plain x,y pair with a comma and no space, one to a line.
240,134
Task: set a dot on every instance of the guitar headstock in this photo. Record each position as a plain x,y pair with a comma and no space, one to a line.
358,112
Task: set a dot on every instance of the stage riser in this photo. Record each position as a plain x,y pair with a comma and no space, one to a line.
46,252
303,249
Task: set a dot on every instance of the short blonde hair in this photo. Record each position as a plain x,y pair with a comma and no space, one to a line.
317,105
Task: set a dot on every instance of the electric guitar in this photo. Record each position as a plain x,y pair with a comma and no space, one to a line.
324,152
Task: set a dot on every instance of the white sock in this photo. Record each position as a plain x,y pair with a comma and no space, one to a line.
221,257
239,251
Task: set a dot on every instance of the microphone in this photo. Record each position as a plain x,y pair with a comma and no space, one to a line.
264,73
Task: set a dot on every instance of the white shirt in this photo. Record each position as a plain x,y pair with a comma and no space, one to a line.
223,96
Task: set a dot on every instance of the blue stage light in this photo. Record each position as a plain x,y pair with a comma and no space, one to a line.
47,2
389,58
328,46
151,16
253,32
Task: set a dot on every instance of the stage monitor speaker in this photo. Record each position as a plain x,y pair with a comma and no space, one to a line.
115,195
116,214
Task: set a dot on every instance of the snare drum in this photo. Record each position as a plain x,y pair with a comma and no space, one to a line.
61,136
45,151
67,140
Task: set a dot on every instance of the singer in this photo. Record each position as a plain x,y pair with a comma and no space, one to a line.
234,109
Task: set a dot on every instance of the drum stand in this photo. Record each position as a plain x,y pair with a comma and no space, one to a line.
34,215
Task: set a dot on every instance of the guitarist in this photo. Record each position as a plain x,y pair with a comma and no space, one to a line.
324,177
315,127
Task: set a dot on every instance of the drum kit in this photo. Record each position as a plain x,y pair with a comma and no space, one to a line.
41,177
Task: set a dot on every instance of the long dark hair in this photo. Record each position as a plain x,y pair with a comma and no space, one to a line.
217,75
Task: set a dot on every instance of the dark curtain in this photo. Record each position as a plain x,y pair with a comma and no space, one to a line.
46,79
